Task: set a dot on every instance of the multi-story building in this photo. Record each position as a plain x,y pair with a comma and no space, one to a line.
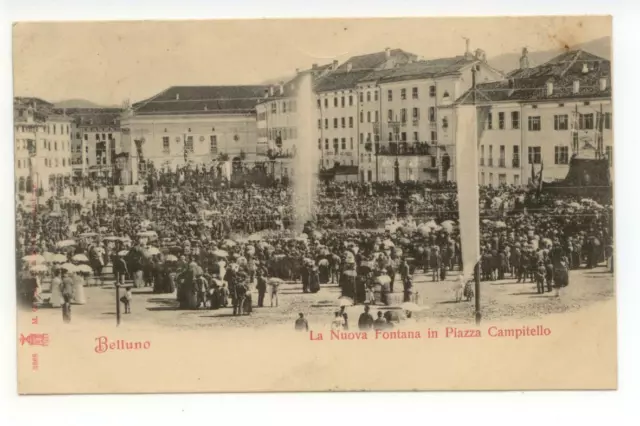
539,117
96,139
277,122
43,147
189,124
415,141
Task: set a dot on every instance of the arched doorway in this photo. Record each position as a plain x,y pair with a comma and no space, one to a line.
445,164
236,164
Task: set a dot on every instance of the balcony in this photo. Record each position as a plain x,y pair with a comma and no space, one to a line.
407,149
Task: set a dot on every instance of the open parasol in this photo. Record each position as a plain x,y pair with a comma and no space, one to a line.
80,258
410,306
123,253
171,258
152,251
345,301
34,259
39,268
65,243
88,234
84,269
220,253
70,267
59,258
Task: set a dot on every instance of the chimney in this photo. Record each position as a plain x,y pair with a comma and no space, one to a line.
481,55
585,68
549,88
281,91
524,59
467,48
177,96
603,84
349,67
387,53
314,66
576,87
271,90
335,64
266,93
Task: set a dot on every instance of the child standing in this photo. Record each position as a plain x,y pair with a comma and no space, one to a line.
126,300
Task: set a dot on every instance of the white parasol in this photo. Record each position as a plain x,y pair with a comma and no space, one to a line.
123,253
34,259
88,234
220,253
70,267
65,243
84,269
152,251
171,258
39,268
80,258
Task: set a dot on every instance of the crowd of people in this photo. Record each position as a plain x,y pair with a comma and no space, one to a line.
214,245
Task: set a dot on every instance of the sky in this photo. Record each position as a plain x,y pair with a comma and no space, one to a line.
108,62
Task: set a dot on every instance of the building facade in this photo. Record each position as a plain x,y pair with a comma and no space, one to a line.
540,117
42,147
189,125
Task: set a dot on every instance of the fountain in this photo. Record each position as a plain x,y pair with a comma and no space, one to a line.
307,156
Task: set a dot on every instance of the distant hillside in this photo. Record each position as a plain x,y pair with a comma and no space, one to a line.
80,103
510,61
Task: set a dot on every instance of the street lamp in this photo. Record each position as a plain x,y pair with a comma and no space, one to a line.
395,125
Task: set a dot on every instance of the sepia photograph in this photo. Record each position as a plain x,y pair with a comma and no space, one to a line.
314,204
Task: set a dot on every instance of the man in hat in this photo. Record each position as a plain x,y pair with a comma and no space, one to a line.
365,322
261,286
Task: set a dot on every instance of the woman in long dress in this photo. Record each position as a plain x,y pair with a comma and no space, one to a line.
79,297
56,294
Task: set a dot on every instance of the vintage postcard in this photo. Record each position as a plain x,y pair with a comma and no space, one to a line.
311,205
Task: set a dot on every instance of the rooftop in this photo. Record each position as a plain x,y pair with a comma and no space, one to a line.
202,100
530,84
431,68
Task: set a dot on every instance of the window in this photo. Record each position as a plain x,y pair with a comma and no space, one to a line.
515,162
57,163
585,121
490,179
535,155
574,141
489,124
342,102
403,94
403,136
432,91
55,145
389,95
376,116
351,143
110,136
97,136
326,123
516,180
319,104
362,116
213,144
502,179
534,124
368,116
434,136
335,123
326,144
284,106
361,97
350,100
445,123
501,160
609,153
482,178
188,144
64,162
490,159
561,154
54,129
501,120
165,145
104,137
335,144
274,107
77,135
344,143
319,123
375,95
326,103
515,119
561,122
415,137
351,122
335,102
361,138
390,115
390,136
86,137
319,144
368,96
343,122
432,114
403,115
607,120
414,93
